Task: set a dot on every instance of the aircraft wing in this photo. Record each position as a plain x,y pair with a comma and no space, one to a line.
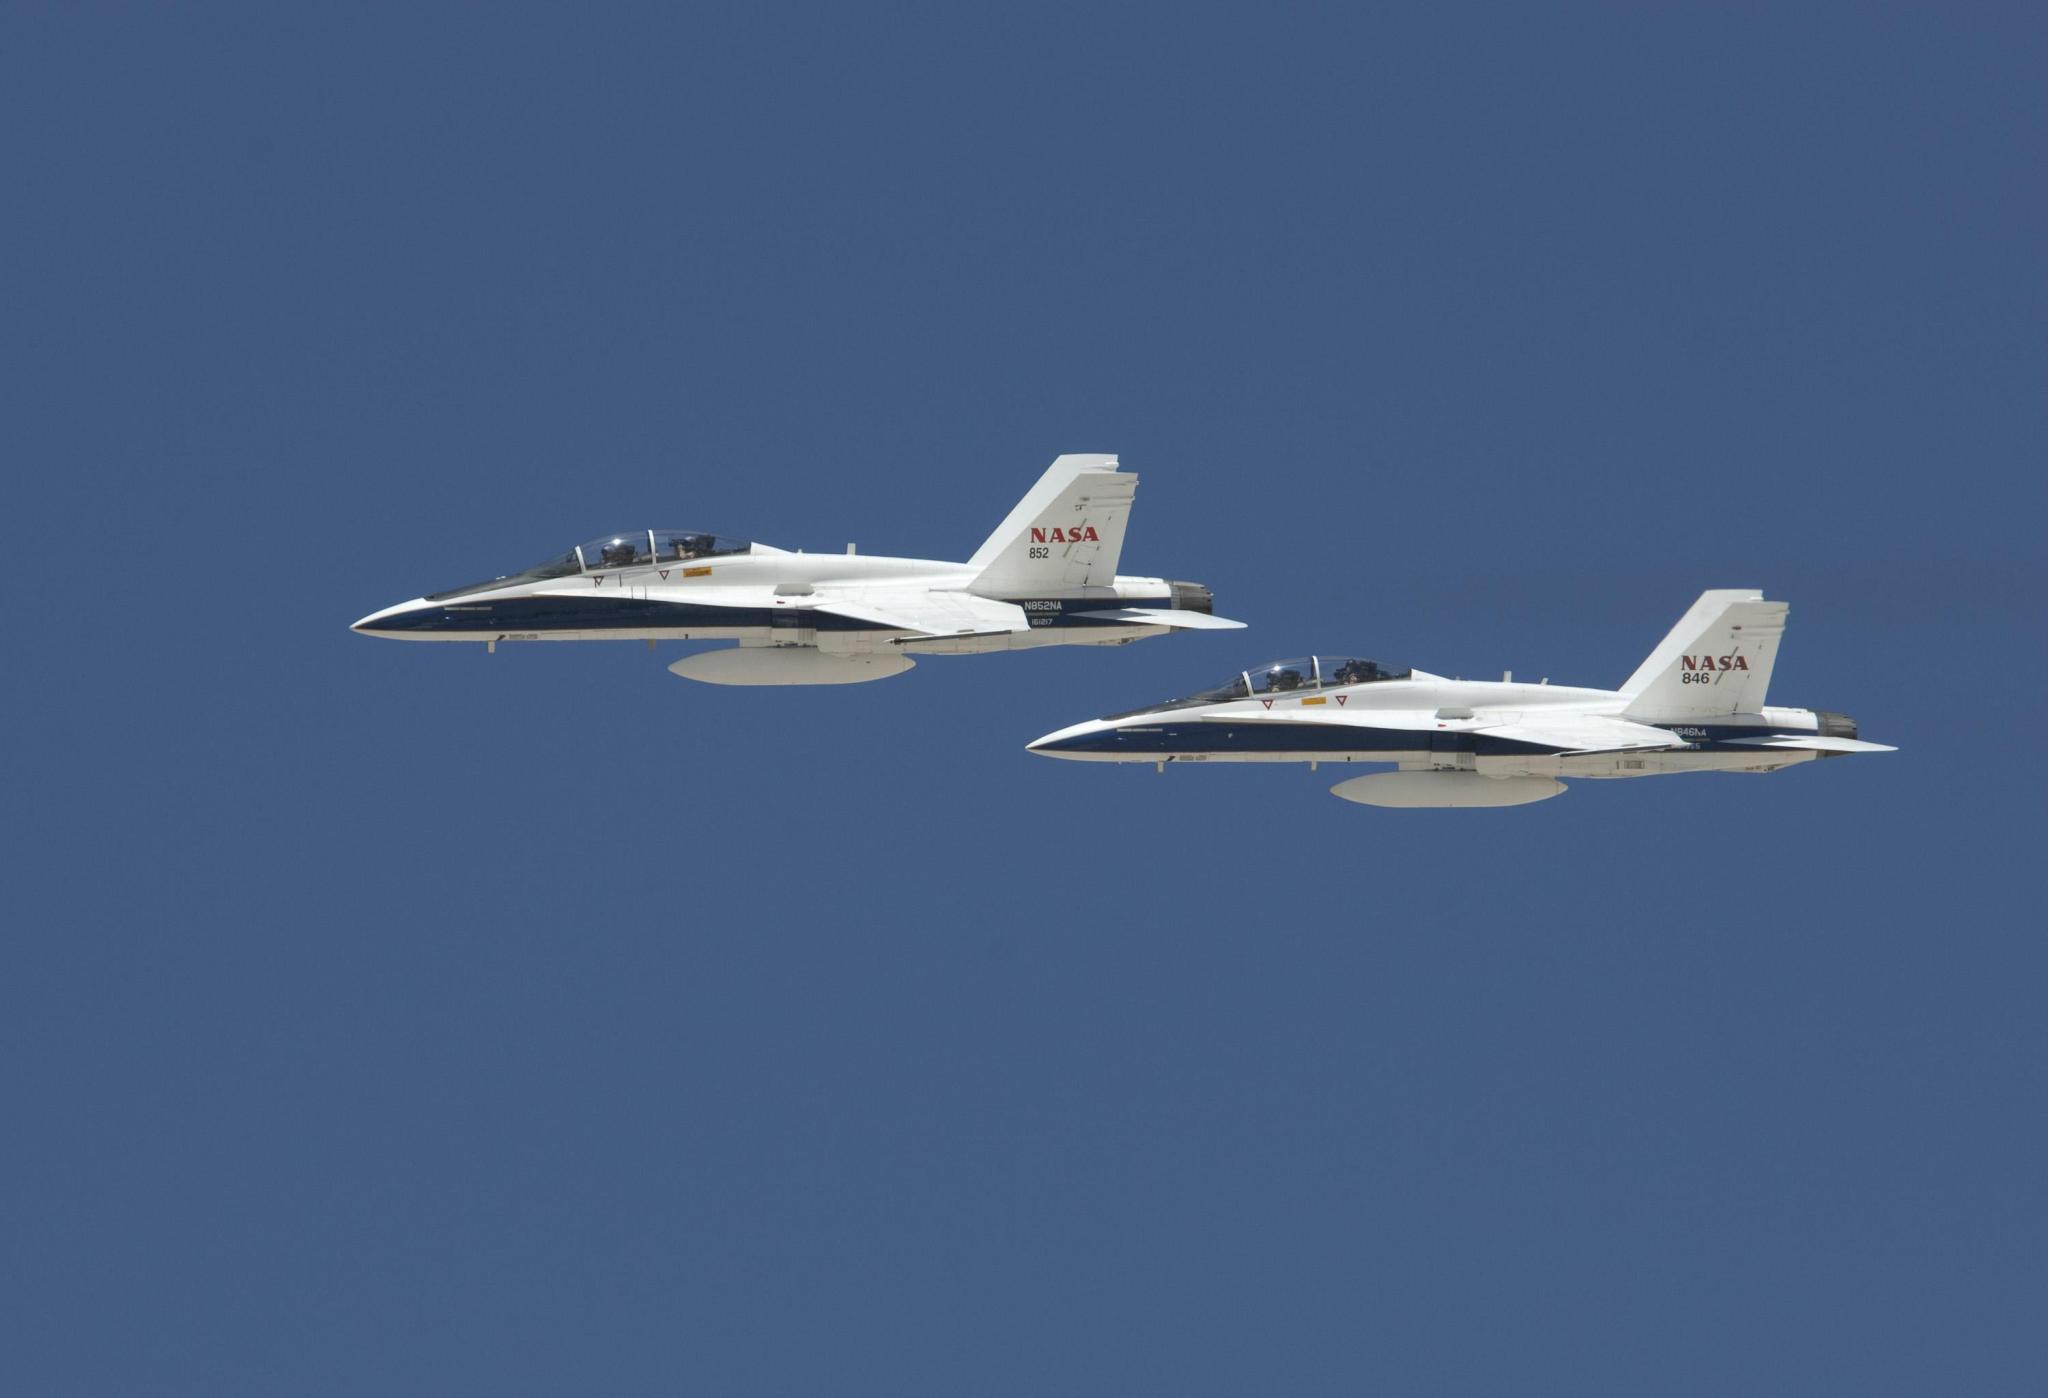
937,614
1576,733
929,613
1331,717
750,595
1166,616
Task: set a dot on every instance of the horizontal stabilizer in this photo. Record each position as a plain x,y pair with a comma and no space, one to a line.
1165,616
1810,742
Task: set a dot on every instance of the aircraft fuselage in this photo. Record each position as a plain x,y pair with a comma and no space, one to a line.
695,601
1427,722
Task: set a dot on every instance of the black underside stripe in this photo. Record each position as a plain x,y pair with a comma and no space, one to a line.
1175,739
615,613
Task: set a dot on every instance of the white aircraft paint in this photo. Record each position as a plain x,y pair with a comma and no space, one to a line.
1696,704
1046,576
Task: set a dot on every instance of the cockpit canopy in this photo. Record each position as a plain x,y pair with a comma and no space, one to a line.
636,548
1309,672
643,548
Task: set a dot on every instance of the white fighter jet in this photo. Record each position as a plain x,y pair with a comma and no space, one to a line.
1696,705
1046,577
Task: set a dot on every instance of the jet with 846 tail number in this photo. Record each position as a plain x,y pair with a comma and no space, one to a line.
1695,705
1046,577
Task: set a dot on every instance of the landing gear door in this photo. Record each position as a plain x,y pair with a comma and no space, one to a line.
791,626
1449,747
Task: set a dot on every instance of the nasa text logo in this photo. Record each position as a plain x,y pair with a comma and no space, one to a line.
1703,669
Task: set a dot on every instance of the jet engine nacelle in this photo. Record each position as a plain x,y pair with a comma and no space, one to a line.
788,665
1441,789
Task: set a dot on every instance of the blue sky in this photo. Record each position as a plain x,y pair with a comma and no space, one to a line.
398,1018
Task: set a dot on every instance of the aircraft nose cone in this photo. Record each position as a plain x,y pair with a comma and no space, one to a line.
387,621
1066,742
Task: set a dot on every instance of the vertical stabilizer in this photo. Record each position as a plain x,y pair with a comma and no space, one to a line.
1717,660
1067,532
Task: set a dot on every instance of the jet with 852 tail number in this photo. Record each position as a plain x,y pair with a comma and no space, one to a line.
1046,577
1695,705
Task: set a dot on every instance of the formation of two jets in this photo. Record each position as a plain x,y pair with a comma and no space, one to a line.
1047,576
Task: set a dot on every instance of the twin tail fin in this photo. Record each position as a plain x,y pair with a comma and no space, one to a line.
1717,660
1067,532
